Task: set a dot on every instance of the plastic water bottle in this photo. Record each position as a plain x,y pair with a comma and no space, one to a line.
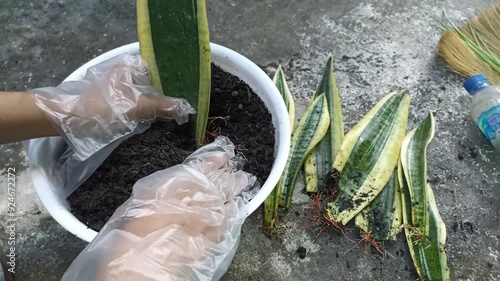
485,108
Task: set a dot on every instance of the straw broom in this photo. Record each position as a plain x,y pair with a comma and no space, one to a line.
473,47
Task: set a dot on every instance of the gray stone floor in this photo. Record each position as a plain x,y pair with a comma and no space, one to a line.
378,45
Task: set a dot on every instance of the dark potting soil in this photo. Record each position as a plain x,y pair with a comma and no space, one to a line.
235,111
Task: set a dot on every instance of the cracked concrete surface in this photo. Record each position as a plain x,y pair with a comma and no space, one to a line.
378,46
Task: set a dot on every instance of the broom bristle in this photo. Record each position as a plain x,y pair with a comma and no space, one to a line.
460,58
474,47
487,25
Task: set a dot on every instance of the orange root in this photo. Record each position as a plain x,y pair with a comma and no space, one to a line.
368,239
319,218
210,136
213,119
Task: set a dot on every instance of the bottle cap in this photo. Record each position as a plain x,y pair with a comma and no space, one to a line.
475,83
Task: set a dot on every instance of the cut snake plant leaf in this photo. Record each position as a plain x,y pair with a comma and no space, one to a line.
318,164
280,82
309,131
383,216
271,203
368,155
414,164
424,229
174,41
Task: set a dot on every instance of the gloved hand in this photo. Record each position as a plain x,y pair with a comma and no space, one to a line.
182,223
112,101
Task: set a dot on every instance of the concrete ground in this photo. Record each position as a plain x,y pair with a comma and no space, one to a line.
378,46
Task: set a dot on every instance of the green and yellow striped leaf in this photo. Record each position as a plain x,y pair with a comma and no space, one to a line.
280,82
310,130
368,155
383,216
424,229
318,164
174,41
271,203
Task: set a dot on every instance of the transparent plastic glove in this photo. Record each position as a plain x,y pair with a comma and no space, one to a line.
181,223
112,101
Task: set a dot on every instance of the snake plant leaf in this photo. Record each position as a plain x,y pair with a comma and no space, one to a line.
309,131
424,229
368,156
318,164
383,216
280,82
174,41
271,203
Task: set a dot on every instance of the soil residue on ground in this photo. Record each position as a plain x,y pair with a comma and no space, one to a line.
235,111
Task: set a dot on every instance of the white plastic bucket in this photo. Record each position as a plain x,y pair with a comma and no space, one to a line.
229,61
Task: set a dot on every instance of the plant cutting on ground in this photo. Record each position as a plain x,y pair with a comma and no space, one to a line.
273,200
424,229
375,175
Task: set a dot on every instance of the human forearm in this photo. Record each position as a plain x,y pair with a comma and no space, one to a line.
21,119
112,101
